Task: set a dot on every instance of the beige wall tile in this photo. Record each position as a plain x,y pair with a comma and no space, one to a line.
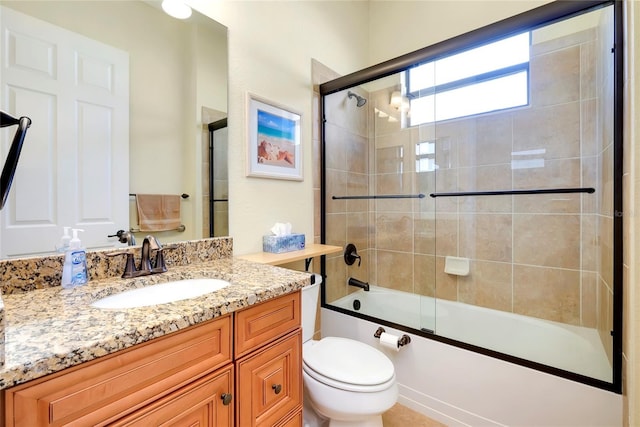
485,178
589,127
446,284
489,284
589,242
555,77
394,270
606,184
605,317
588,69
390,184
493,143
336,233
394,232
450,137
486,237
547,240
357,230
446,181
555,173
357,185
447,234
542,128
606,249
343,112
589,310
336,280
563,42
547,293
424,237
390,160
335,147
424,272
357,152
336,186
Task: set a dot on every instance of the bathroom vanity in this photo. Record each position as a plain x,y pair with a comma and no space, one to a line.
232,357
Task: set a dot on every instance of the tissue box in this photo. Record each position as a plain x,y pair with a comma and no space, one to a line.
280,244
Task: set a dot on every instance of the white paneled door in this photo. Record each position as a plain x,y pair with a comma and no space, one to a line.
74,167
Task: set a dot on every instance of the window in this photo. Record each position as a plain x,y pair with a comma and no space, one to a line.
448,88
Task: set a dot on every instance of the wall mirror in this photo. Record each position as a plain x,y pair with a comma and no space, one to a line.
177,85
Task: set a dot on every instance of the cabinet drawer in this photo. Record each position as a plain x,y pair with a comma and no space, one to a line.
257,325
198,404
113,386
269,382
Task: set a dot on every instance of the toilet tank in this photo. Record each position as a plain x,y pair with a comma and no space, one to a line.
310,308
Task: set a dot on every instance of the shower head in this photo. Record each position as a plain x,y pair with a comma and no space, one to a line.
360,100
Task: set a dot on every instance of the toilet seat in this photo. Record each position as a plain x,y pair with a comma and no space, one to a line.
348,365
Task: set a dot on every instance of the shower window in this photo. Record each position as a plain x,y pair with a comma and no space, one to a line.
493,228
488,78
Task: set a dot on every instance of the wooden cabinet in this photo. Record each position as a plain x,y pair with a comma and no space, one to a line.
104,390
269,364
190,378
201,403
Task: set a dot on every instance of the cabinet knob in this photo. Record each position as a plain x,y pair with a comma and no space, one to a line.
226,398
277,388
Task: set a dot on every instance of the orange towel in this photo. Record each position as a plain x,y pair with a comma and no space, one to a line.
158,212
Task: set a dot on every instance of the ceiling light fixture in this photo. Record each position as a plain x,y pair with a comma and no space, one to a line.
176,8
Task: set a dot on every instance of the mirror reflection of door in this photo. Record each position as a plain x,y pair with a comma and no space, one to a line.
218,180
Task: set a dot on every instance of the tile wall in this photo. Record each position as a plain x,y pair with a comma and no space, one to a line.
546,256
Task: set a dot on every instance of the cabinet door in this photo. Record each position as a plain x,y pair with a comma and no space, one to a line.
203,403
108,388
269,382
294,420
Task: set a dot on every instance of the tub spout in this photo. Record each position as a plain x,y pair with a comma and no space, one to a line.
359,284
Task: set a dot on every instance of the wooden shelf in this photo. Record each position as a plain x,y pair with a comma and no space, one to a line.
311,251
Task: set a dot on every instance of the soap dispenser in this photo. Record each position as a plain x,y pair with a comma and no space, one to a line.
74,272
64,241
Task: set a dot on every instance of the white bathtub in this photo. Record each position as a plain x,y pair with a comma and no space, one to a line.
572,348
462,387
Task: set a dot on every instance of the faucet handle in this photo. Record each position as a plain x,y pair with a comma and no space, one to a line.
130,266
159,266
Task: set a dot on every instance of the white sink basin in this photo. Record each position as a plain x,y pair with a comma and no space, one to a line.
161,293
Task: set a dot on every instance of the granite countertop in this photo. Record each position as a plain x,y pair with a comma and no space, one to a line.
47,330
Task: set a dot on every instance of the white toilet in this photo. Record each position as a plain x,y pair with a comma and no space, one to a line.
346,382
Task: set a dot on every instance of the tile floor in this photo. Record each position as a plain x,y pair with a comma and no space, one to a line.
401,416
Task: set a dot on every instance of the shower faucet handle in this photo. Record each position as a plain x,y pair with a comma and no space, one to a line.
351,254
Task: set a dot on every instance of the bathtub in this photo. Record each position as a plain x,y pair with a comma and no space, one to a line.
568,347
461,387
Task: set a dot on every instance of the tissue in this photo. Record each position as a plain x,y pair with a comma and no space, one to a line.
281,229
282,239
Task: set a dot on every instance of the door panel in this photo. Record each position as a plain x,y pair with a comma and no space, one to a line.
74,168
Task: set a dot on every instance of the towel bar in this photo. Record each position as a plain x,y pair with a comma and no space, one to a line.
183,195
181,228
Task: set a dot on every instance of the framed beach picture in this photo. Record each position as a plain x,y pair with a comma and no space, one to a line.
274,150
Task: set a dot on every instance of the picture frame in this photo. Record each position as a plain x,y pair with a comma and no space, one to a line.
274,148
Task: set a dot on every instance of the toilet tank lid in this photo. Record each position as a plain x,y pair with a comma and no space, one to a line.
348,361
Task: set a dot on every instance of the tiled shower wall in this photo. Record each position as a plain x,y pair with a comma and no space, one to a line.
546,256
